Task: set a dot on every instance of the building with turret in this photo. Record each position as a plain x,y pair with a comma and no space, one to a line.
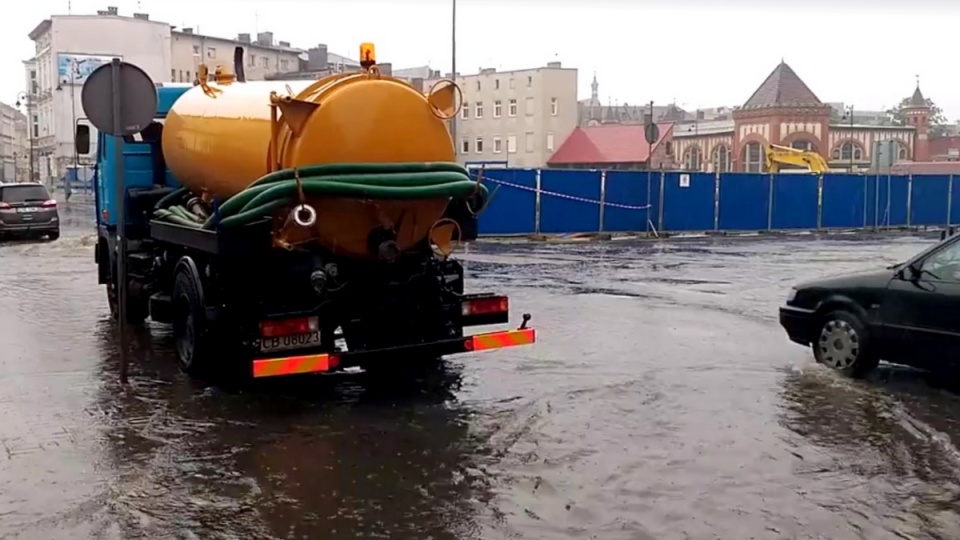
782,111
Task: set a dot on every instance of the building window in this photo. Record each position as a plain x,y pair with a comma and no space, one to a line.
511,84
902,152
252,60
512,144
753,159
669,148
529,81
264,62
803,145
496,84
479,145
196,50
549,141
478,110
528,141
512,108
36,126
721,159
478,86
173,75
284,64
497,108
465,111
692,159
497,145
211,53
847,151
554,107
464,146
529,106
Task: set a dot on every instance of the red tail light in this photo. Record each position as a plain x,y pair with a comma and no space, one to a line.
289,327
5,205
49,203
485,306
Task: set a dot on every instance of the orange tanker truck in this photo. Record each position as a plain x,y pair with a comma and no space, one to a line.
293,227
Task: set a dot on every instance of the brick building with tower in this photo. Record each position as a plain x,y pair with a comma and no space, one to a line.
782,111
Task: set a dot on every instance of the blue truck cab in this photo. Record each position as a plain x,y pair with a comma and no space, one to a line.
140,161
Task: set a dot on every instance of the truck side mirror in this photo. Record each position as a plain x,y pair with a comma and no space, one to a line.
81,139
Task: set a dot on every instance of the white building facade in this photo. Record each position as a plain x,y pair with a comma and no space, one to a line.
515,118
69,47
14,157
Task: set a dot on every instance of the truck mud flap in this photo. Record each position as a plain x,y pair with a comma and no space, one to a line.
327,363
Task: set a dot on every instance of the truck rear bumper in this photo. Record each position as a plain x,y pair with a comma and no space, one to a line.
325,363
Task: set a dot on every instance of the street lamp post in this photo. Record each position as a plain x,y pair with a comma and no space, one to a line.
27,101
453,70
849,115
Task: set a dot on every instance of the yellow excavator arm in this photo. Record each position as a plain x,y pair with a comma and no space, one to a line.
784,155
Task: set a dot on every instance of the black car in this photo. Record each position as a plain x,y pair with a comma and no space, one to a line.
28,210
908,313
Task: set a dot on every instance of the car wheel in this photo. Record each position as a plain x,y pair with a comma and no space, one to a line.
53,236
843,344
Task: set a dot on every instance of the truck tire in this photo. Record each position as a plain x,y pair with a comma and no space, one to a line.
135,313
191,330
842,343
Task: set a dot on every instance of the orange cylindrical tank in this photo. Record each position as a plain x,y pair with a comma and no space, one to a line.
217,140
218,143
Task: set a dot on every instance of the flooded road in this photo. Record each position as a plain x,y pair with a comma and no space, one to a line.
663,401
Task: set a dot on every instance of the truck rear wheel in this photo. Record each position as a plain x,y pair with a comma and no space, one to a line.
191,331
135,313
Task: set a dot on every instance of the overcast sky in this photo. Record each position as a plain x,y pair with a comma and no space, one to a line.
699,53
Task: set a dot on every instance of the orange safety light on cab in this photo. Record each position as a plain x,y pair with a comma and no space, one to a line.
368,55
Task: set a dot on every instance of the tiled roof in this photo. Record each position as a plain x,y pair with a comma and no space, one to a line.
917,100
926,167
782,87
606,144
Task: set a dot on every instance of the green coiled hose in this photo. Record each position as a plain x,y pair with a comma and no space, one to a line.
379,181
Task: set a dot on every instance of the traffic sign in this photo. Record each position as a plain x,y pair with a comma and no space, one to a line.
651,132
136,92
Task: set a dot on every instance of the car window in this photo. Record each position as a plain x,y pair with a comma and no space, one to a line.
19,194
944,264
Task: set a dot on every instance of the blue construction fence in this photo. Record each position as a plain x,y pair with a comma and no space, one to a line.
545,201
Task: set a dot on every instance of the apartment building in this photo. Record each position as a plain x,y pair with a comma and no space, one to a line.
70,47
515,118
262,57
14,159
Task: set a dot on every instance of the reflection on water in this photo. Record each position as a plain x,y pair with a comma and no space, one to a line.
662,401
881,453
317,458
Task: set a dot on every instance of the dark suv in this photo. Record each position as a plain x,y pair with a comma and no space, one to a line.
27,210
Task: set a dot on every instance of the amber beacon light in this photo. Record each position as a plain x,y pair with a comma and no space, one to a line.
368,55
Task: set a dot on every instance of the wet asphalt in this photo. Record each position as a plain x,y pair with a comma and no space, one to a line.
662,401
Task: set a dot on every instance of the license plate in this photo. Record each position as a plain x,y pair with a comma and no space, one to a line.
26,210
286,343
